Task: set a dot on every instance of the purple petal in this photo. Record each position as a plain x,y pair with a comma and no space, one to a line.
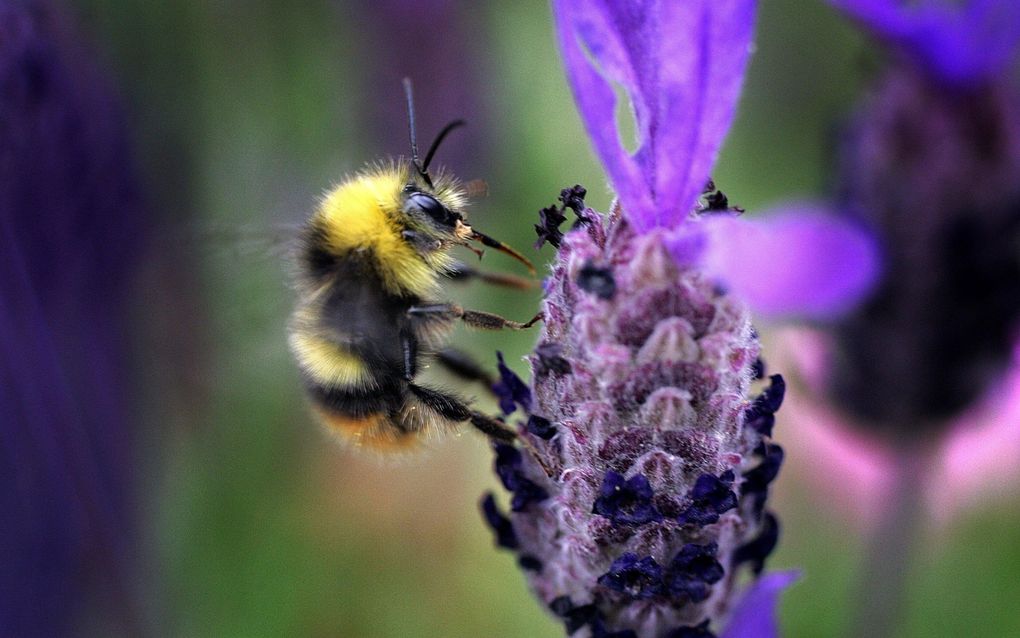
799,262
682,64
960,42
755,615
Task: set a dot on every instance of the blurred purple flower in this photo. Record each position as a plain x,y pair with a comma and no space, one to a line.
930,160
958,42
684,92
934,169
70,230
646,491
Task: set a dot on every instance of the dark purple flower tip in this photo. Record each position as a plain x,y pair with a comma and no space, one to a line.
541,427
960,42
548,227
599,630
626,502
760,416
710,497
508,467
501,525
758,369
573,198
693,571
758,550
683,88
551,217
511,390
636,577
717,202
550,360
698,631
757,479
597,280
527,492
573,617
530,563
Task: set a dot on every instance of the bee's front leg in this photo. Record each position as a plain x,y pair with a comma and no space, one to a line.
421,242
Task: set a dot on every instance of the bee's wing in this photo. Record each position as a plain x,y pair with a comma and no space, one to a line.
274,241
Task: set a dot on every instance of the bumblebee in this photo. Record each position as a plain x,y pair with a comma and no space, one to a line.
370,266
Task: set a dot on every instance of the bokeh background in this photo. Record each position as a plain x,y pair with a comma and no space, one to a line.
251,521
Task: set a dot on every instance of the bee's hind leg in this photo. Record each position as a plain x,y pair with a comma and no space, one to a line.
453,409
464,366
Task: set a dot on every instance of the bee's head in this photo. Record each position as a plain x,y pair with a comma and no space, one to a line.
429,217
432,221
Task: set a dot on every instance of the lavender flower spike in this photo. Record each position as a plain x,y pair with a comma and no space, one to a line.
959,42
682,64
640,491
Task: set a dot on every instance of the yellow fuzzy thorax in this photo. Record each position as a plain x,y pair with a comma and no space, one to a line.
365,214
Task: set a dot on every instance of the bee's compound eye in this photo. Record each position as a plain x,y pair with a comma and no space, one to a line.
431,206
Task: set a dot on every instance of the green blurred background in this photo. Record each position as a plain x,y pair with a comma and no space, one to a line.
243,113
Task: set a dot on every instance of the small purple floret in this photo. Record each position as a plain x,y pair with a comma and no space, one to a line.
757,479
549,360
511,389
761,414
693,571
626,502
710,497
500,524
636,577
541,427
761,547
574,617
508,467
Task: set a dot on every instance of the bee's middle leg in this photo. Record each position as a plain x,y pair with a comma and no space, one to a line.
473,318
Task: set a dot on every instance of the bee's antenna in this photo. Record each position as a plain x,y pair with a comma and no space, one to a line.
439,139
422,170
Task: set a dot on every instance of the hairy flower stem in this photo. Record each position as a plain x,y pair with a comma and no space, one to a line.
883,580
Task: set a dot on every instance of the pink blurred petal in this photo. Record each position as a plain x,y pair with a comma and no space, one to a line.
755,614
855,470
979,455
801,262
850,471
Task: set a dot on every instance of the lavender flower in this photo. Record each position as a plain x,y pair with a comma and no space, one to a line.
946,312
641,488
931,160
69,233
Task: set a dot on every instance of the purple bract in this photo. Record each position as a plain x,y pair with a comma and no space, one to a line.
960,42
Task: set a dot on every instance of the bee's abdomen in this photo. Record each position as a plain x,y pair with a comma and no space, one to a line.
356,402
366,418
